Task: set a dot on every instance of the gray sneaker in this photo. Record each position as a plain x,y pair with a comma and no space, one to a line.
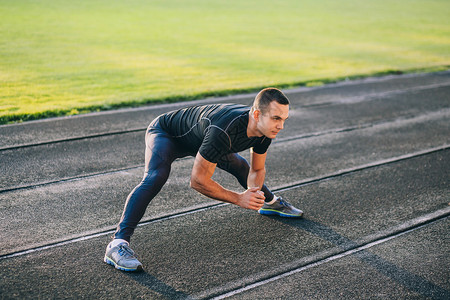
122,258
281,208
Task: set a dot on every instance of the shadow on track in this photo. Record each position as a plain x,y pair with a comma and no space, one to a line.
156,285
401,276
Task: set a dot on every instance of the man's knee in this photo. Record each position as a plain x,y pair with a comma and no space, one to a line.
155,177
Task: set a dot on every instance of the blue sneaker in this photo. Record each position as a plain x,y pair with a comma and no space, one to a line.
122,258
280,207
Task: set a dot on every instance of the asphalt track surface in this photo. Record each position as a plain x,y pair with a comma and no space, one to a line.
368,161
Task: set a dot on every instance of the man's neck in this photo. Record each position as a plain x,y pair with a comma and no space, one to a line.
252,130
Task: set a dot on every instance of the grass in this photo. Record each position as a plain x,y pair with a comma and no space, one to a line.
67,57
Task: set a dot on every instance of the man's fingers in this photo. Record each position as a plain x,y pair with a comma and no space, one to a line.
255,207
258,203
258,192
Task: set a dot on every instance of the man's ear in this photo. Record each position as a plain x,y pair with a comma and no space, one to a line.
256,114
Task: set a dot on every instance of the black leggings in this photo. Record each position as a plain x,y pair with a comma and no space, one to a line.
160,152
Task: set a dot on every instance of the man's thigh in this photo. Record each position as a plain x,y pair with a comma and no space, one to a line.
161,150
234,163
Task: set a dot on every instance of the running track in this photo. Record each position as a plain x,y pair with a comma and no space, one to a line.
368,161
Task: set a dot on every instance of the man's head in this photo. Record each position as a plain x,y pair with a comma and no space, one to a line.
270,110
265,97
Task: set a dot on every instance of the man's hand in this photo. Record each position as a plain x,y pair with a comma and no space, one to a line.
252,198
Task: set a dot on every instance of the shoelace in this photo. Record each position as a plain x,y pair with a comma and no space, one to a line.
124,249
284,202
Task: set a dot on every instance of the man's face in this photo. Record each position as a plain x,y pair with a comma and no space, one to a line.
271,122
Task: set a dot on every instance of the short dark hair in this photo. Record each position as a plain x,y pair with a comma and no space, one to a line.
266,96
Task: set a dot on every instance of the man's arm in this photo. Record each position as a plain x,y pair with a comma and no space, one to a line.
257,172
202,182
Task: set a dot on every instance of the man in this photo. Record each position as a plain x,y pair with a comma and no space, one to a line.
213,134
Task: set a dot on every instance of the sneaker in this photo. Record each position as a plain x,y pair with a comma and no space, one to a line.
122,258
280,208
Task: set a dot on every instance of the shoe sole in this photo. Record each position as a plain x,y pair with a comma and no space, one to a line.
109,261
269,212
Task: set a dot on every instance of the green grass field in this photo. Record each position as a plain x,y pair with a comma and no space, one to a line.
64,57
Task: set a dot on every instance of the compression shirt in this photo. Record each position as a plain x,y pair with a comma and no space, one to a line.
213,130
